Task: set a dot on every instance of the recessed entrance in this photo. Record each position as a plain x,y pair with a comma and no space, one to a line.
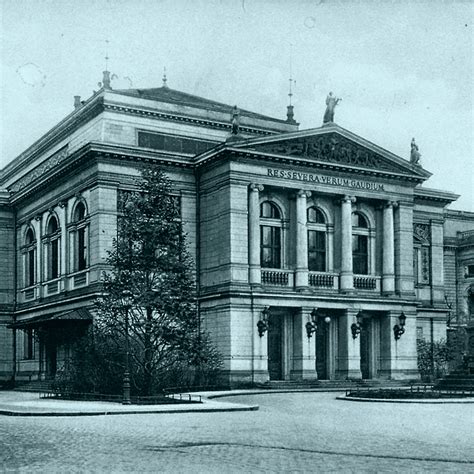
278,346
323,349
369,348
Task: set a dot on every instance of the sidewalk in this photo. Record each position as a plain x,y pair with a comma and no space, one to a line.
30,404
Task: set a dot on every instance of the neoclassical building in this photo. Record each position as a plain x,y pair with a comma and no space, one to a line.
319,254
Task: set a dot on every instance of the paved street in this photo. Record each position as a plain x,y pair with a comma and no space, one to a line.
292,432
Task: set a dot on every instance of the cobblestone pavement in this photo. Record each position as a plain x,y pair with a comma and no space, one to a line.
292,432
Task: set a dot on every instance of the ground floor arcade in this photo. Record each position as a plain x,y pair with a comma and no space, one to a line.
272,339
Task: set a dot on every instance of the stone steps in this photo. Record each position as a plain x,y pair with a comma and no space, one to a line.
456,381
34,386
329,384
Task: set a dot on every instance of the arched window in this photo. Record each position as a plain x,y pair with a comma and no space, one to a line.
270,235
52,248
79,237
317,240
360,244
29,255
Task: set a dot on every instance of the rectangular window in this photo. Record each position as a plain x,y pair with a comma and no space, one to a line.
270,246
28,344
360,254
81,249
54,259
316,251
160,141
469,271
421,264
31,268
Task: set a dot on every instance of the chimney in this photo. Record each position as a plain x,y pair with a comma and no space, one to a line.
106,80
77,101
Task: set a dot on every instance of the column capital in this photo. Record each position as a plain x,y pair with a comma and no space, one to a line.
303,193
392,204
347,198
256,187
38,217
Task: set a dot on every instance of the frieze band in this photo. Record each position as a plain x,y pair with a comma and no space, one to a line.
321,179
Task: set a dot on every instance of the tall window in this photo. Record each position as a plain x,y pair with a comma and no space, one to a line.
28,344
80,237
270,235
29,262
52,245
316,240
360,244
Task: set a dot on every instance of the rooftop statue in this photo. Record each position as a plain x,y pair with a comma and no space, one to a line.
235,121
415,155
331,103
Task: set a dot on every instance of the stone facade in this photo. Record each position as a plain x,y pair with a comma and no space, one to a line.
319,237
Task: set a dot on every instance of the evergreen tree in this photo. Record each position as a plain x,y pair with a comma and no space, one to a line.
149,260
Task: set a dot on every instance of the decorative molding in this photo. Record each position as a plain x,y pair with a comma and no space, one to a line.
422,232
40,170
181,118
256,187
331,148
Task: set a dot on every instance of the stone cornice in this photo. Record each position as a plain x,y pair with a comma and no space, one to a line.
153,113
96,150
62,130
334,128
217,153
437,195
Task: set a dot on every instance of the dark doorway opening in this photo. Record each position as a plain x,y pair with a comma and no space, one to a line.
275,347
322,350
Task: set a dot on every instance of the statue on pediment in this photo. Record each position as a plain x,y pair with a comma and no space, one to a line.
331,102
415,155
235,120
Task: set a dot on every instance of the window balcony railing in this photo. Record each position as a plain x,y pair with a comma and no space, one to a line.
29,293
367,283
323,280
79,279
278,277
51,287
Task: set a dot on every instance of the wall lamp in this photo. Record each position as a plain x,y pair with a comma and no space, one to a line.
356,327
312,326
262,324
399,329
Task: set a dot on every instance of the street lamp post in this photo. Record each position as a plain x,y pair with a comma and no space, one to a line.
126,304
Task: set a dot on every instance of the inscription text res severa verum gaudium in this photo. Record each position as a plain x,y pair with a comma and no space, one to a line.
321,179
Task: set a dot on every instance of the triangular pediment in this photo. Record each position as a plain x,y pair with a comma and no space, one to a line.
338,147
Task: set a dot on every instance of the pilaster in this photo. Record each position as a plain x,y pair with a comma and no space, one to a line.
301,274
348,363
347,277
255,277
388,260
304,348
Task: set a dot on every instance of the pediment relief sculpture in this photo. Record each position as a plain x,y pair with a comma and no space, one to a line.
331,148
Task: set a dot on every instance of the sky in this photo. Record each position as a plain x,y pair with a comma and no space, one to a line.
403,69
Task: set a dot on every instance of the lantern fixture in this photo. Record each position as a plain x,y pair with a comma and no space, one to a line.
312,326
399,329
356,327
262,325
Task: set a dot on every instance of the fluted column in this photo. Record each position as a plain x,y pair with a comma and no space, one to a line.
388,262
301,276
255,277
347,279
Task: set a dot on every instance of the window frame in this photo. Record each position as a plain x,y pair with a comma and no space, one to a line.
318,225
274,223
361,233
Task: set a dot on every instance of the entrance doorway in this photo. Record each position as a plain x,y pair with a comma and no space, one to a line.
51,359
323,349
369,347
277,346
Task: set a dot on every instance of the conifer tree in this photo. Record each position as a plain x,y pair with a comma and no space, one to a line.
150,261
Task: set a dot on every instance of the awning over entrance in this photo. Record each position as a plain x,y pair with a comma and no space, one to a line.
77,315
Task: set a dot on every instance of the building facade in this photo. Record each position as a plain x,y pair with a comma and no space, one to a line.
318,254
